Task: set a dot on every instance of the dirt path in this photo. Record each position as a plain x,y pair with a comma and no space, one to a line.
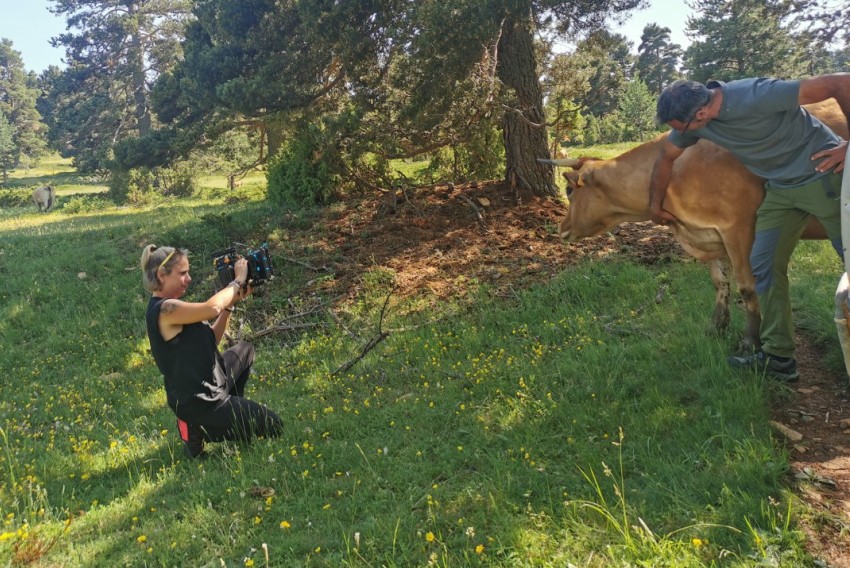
819,409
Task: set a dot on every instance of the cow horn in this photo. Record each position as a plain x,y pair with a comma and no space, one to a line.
563,162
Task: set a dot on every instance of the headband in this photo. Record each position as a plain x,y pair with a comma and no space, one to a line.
167,258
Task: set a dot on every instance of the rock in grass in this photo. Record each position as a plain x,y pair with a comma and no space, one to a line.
791,435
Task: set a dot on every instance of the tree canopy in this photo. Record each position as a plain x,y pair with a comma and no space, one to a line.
742,38
365,81
115,50
658,58
409,77
18,94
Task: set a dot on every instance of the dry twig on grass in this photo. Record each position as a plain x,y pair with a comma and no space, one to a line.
280,328
375,339
307,265
478,214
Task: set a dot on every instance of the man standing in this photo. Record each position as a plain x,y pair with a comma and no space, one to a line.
761,122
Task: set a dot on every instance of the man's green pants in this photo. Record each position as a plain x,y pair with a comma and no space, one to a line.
781,219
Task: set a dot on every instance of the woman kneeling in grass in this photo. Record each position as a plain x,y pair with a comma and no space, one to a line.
203,386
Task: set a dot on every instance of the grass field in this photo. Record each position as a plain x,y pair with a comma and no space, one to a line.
58,172
577,424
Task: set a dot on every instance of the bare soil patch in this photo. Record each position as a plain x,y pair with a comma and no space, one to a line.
442,239
819,409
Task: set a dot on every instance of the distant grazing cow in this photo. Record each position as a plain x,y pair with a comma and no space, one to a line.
714,197
44,197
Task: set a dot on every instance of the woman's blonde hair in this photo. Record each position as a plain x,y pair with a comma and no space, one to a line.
156,258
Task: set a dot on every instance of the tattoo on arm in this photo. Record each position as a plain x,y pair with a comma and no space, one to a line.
168,308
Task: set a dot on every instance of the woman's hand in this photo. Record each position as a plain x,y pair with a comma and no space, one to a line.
241,270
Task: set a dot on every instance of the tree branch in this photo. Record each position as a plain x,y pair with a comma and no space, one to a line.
375,340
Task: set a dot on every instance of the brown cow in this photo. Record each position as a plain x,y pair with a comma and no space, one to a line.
712,194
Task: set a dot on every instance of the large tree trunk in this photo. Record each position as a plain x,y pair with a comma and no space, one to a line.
524,123
274,134
140,87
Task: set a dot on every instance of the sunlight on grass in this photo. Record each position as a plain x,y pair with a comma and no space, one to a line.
59,173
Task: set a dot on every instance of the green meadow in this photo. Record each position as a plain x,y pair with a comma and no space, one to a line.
578,423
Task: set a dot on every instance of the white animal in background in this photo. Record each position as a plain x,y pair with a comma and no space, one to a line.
44,197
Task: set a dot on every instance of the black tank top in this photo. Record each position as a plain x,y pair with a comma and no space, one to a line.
190,362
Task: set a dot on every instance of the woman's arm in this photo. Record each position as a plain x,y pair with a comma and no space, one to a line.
176,312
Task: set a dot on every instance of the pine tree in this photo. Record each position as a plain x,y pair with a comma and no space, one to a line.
637,111
658,58
8,148
741,38
115,49
18,94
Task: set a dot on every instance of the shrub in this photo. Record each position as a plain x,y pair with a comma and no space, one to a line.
481,156
15,197
134,186
179,180
85,204
139,185
605,130
299,176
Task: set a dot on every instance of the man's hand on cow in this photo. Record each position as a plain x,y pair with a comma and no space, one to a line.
832,159
662,217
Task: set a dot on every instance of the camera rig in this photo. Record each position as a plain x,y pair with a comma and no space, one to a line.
260,267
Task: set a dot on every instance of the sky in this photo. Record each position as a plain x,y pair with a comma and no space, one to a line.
671,14
30,26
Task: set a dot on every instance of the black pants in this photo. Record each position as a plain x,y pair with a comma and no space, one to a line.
235,418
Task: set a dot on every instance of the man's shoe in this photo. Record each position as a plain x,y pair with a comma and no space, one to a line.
193,439
780,368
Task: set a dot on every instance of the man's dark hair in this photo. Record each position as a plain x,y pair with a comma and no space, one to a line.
681,100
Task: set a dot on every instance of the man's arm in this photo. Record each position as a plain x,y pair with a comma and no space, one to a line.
662,172
821,88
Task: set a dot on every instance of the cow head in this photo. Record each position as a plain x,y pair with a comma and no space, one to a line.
588,213
605,193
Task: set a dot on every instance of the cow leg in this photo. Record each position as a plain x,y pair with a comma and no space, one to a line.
738,247
752,336
718,269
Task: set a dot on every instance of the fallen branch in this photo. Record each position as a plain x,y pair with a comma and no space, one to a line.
279,328
306,264
478,214
340,323
375,340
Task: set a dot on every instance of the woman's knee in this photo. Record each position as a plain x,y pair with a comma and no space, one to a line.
245,351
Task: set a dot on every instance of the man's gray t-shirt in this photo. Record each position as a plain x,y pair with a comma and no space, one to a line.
762,124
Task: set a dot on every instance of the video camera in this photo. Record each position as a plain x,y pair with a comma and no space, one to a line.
259,265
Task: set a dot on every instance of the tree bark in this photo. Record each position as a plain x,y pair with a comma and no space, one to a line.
524,124
140,87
